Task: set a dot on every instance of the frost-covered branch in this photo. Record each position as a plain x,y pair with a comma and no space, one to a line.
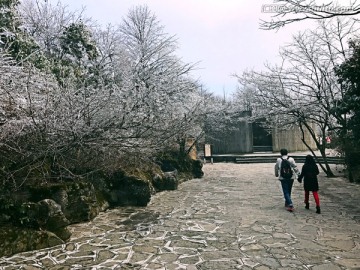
285,12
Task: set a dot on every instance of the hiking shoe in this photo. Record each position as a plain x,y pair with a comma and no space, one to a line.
318,211
307,205
290,208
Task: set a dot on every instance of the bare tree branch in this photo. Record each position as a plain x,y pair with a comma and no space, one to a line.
303,91
290,11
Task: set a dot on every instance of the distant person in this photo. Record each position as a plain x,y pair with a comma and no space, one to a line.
309,173
328,142
285,169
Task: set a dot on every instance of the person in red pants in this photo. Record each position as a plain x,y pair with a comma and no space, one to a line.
309,173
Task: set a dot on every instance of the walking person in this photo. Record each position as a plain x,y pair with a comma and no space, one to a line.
309,173
285,170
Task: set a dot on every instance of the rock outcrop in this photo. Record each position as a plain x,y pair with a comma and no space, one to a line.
37,216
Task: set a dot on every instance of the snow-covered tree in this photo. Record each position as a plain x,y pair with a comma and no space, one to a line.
125,93
163,94
14,37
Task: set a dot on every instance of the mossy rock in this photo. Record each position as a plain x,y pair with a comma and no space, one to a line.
16,240
128,190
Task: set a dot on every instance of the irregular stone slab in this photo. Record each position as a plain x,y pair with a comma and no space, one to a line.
326,267
349,263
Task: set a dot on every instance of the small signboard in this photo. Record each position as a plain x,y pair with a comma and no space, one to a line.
207,153
207,150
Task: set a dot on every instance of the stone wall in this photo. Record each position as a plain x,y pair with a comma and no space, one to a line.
291,140
237,140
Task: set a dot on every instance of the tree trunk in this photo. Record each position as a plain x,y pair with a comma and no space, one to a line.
324,166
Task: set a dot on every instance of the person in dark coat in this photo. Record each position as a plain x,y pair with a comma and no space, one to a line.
309,173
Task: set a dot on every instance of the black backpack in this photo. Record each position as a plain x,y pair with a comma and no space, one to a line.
285,169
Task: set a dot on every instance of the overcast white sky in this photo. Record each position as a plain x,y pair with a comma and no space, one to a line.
222,35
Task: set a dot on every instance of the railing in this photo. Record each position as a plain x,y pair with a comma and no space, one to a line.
269,159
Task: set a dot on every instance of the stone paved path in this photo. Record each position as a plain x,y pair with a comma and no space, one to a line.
233,218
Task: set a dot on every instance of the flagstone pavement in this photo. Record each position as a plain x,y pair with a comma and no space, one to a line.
232,218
